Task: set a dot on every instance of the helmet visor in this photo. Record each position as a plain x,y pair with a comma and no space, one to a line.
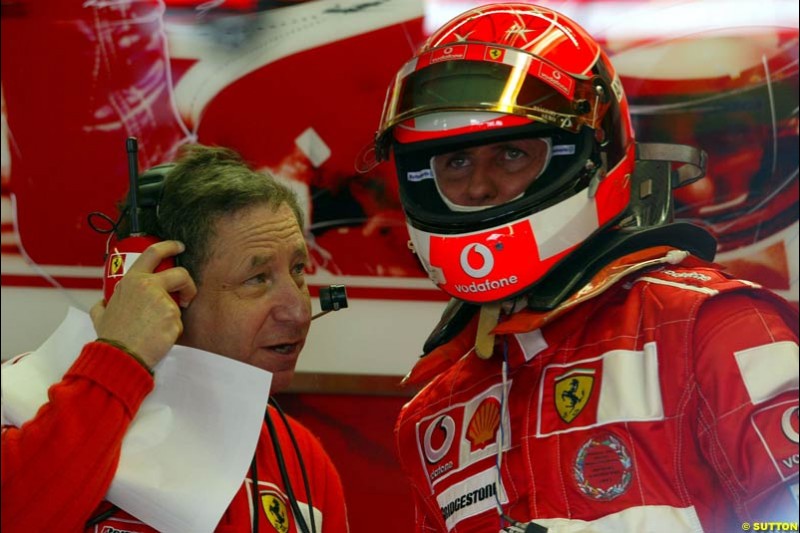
477,77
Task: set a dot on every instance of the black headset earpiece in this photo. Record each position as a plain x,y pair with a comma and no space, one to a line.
149,192
151,184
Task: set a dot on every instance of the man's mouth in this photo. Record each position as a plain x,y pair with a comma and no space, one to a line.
284,348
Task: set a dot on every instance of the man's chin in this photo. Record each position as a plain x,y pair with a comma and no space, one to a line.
281,381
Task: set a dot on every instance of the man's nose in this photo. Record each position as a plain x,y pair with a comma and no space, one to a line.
481,189
292,302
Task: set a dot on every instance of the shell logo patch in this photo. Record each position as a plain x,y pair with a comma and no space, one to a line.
482,429
275,509
572,392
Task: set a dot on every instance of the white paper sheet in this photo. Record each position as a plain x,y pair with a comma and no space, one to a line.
187,450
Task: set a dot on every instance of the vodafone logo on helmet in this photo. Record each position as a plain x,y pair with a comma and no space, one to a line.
556,79
486,257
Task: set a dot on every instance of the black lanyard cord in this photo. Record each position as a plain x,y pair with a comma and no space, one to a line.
301,523
254,478
299,455
108,513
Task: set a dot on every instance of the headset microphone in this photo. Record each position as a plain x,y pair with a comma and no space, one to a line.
122,254
331,298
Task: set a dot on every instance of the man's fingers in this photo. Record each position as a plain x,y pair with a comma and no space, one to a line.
154,254
178,280
173,280
97,311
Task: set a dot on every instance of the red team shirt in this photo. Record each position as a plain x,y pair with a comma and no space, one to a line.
667,403
60,464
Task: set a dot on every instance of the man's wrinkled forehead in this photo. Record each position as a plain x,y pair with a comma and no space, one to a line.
299,250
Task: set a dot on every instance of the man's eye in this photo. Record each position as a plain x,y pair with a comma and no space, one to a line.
299,269
458,162
513,154
258,279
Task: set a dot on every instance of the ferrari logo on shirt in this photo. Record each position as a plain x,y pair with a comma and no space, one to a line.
275,508
572,392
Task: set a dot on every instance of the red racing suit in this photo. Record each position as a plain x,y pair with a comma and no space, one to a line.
58,466
666,401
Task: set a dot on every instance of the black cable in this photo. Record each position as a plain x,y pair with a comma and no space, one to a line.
254,477
101,517
113,224
284,475
277,407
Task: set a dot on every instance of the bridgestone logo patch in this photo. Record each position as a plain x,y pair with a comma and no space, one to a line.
471,498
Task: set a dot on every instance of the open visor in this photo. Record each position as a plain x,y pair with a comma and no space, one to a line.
478,77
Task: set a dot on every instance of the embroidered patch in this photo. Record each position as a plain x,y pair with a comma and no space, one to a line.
472,496
482,429
603,468
462,434
573,389
690,275
635,372
275,509
778,428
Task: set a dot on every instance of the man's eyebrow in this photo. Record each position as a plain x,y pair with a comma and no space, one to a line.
301,250
262,259
456,153
259,260
514,143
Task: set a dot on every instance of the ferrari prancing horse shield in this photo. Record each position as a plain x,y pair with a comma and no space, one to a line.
117,262
275,508
572,392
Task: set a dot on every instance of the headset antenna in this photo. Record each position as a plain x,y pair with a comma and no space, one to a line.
132,146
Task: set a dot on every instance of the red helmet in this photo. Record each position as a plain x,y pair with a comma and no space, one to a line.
501,73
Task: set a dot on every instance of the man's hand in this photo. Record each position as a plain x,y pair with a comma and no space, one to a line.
141,315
